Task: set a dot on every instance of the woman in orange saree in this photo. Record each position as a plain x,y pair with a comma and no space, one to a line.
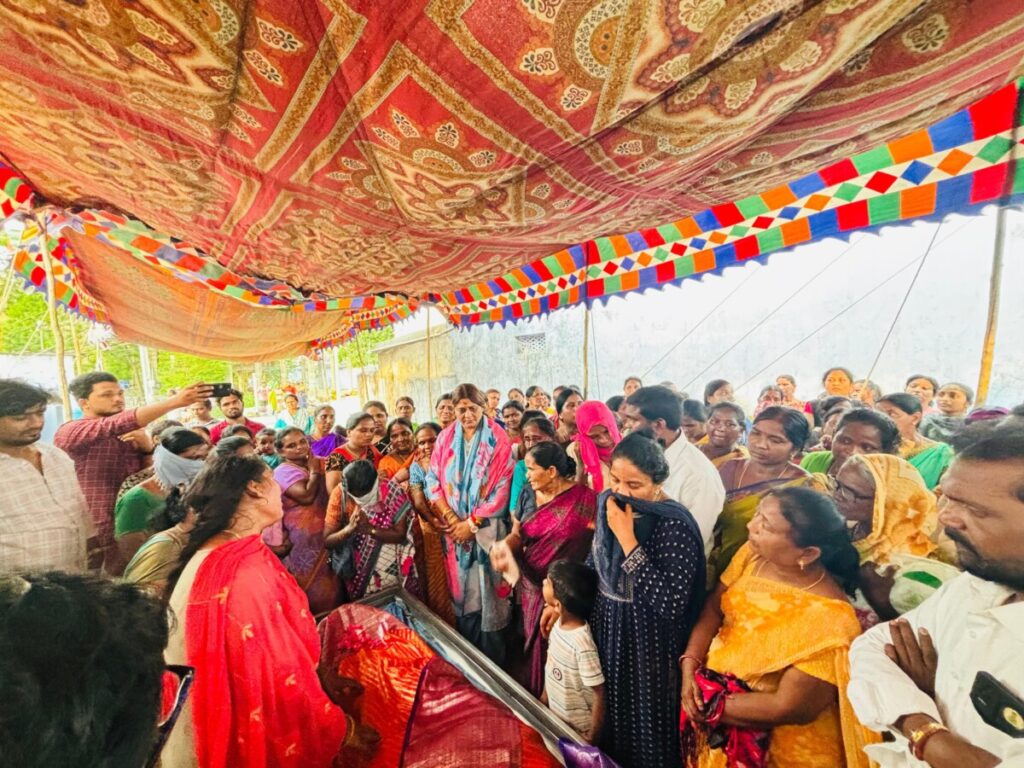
780,624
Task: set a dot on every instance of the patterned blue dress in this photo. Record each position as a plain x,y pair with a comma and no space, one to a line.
641,627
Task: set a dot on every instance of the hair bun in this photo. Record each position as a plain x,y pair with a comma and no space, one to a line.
570,467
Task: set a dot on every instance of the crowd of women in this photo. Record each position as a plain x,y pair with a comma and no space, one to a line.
828,525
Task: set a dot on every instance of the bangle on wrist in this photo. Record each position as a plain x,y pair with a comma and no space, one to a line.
919,738
695,659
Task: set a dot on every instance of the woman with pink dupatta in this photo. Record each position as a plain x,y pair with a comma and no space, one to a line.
468,487
591,449
245,626
553,522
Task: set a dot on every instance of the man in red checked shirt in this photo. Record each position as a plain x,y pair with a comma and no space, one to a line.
107,444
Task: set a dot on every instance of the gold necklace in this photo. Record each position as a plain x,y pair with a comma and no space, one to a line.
818,581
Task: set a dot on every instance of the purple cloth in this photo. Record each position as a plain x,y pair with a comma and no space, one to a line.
584,756
323,447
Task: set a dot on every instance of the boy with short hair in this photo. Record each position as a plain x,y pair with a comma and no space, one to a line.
573,681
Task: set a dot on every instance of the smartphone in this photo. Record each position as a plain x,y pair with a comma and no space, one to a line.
221,390
998,705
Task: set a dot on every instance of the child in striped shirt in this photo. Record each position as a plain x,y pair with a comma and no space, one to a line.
573,681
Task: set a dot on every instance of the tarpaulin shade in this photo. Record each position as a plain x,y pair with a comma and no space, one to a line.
499,158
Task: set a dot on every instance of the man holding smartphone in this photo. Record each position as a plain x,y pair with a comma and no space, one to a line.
232,404
947,679
107,445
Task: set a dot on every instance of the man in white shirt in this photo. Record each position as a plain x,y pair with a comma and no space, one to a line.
914,676
693,480
44,519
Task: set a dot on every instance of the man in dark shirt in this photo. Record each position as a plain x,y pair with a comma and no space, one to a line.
107,445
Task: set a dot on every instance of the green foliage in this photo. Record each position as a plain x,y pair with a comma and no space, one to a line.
175,370
359,351
25,329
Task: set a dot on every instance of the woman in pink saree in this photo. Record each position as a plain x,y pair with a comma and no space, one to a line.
301,531
554,520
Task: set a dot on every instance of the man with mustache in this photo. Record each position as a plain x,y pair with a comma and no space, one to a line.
947,679
44,518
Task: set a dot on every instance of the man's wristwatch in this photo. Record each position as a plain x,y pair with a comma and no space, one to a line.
920,737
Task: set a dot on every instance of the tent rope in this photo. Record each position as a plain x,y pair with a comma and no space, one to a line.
903,303
832,319
761,322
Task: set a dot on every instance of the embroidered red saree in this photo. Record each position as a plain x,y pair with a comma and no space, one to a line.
256,700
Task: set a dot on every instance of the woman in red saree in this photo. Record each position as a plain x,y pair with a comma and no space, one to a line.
244,624
553,522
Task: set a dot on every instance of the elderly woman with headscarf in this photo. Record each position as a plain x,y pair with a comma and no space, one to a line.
468,486
176,460
893,522
596,437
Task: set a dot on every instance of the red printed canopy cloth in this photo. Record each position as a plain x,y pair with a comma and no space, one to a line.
327,166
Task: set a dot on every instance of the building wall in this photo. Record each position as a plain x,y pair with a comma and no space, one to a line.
825,304
401,370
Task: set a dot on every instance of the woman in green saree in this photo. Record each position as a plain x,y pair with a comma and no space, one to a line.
929,457
777,435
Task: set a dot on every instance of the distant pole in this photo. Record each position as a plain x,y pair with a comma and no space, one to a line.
146,368
334,371
995,284
51,303
586,350
76,346
430,381
364,389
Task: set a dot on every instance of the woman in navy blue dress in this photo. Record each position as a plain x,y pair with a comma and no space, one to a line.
649,555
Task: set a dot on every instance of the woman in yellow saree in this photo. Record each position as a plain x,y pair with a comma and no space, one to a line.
778,624
777,435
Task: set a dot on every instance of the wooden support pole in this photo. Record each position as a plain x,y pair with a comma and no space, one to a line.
51,302
995,284
430,381
76,347
363,385
586,351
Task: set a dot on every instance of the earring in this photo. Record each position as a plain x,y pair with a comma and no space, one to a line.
802,565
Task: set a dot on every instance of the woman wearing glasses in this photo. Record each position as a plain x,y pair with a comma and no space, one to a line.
893,522
245,626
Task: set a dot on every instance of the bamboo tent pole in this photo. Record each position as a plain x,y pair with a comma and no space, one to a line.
988,347
51,303
586,351
430,382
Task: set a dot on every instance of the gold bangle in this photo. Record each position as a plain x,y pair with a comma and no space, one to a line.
919,738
